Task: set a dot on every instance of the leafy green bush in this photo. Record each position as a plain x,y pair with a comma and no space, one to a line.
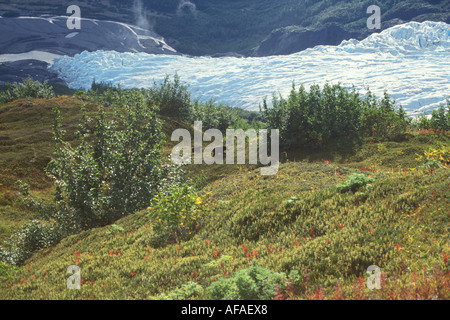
354,182
175,214
439,120
34,235
101,87
114,230
112,96
435,157
254,283
172,97
187,291
214,116
27,89
317,117
380,119
314,117
115,170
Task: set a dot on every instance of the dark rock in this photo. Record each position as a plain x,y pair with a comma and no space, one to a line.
50,34
293,39
18,71
227,54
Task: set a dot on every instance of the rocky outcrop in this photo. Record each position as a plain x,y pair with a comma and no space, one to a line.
50,34
295,39
17,71
27,42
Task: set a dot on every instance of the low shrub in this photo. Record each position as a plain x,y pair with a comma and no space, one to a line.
33,235
175,214
213,116
115,170
189,290
27,89
435,157
254,283
354,182
439,120
172,98
321,115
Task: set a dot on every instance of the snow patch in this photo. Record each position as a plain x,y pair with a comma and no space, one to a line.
31,55
71,35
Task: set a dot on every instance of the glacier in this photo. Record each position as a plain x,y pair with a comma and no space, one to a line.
411,61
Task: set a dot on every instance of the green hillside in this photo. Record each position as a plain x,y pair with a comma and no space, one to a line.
312,229
401,225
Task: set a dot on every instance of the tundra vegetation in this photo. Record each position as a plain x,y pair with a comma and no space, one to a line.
86,180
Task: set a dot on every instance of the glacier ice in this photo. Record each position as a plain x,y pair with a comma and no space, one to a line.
410,61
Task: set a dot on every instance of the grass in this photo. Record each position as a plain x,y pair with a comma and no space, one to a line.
292,221
25,149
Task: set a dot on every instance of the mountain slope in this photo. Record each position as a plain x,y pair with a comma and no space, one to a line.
50,34
200,27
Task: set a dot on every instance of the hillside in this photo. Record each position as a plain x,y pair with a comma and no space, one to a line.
22,35
206,27
295,222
